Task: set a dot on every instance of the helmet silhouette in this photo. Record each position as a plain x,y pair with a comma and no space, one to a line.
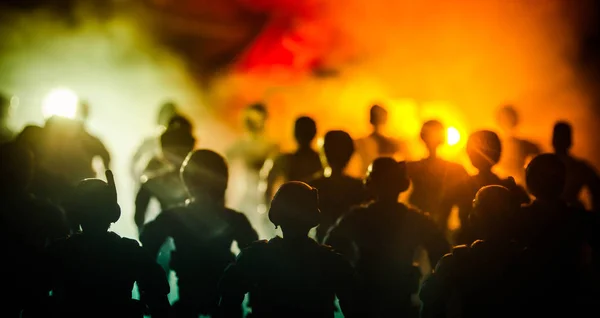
492,202
295,203
387,177
96,201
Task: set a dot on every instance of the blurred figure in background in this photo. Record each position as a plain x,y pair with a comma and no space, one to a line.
150,147
247,157
580,174
162,179
203,231
66,155
436,181
293,276
92,273
377,144
383,238
301,165
517,152
96,149
338,192
6,134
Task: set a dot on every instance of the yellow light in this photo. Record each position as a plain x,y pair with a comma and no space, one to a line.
452,136
60,102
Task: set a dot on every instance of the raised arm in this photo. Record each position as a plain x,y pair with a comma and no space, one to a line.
142,200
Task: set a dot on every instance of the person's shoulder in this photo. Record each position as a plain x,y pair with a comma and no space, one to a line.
457,169
254,253
172,214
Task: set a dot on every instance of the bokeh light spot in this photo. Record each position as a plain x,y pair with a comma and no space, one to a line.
60,102
452,136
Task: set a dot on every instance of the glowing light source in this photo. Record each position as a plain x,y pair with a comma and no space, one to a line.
60,102
452,136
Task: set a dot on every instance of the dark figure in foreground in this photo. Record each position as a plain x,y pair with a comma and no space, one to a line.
203,232
93,272
386,235
485,279
27,225
150,147
560,239
338,192
293,276
302,165
435,181
377,144
485,149
161,179
517,151
580,174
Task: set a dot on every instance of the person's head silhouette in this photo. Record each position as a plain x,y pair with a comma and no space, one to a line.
546,177
167,111
378,117
507,118
433,135
176,143
295,207
255,117
493,208
338,148
181,122
386,179
305,130
205,175
16,170
94,204
484,149
562,138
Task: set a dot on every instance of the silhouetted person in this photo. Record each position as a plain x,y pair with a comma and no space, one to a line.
247,157
150,147
93,272
580,174
484,150
559,238
517,151
203,232
487,278
338,192
301,165
377,144
161,179
6,134
66,156
383,238
93,145
436,181
44,184
293,276
27,225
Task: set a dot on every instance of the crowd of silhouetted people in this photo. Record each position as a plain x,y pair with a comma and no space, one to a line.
527,245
